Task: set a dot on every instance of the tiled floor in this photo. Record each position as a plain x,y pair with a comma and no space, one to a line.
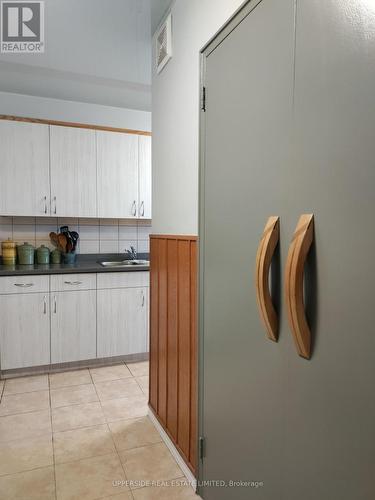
84,435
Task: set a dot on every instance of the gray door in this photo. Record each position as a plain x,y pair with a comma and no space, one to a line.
289,129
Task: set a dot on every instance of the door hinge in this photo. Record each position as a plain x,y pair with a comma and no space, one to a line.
202,447
203,107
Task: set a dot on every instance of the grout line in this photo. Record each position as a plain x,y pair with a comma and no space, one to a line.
110,432
53,444
26,470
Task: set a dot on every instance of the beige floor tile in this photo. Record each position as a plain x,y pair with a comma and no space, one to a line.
114,389
107,373
26,384
26,454
25,425
67,379
82,443
133,433
38,484
170,492
143,383
1,387
126,495
73,395
76,416
139,369
20,403
149,463
89,479
123,408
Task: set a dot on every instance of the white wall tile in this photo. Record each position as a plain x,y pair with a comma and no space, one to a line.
24,232
96,235
42,231
88,222
108,232
108,246
86,246
124,245
88,232
143,246
128,232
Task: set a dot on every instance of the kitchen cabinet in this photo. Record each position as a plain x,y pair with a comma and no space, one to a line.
73,326
24,330
24,169
72,317
73,172
117,159
145,177
122,321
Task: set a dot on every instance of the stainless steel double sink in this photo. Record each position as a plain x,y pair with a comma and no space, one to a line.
124,263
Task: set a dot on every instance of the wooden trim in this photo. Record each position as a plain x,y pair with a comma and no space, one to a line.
294,270
179,237
73,124
266,250
173,340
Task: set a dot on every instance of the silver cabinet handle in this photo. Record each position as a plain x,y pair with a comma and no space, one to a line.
73,282
143,298
55,304
134,208
142,209
45,305
55,209
24,285
45,204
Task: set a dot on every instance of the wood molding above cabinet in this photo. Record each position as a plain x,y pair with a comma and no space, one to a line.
74,125
173,340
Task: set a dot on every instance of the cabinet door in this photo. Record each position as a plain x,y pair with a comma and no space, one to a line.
117,174
73,172
122,321
73,326
24,169
145,177
24,330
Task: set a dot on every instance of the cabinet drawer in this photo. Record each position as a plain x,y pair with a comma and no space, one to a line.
124,280
72,282
23,284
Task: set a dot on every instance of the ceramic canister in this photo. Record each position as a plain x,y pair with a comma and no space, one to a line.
26,254
42,255
9,252
56,256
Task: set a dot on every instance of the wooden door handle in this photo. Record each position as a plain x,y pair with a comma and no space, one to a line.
298,250
266,250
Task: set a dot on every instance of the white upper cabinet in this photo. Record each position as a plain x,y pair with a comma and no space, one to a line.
24,169
145,177
73,172
117,158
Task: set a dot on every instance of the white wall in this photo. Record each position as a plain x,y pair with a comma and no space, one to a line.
70,111
175,115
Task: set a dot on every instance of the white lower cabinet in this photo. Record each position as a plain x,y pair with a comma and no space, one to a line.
73,326
24,330
122,321
67,318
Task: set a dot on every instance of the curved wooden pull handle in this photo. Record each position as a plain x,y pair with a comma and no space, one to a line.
266,249
298,250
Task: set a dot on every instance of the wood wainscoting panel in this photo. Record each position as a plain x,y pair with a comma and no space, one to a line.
173,340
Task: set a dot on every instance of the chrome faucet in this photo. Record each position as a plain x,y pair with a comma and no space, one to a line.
131,254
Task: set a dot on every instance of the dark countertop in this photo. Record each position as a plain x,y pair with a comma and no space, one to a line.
85,263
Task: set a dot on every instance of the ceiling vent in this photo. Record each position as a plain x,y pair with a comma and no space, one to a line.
164,44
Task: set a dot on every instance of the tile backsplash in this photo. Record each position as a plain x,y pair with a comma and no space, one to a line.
95,235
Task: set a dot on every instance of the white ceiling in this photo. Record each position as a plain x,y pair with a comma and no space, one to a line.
96,51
